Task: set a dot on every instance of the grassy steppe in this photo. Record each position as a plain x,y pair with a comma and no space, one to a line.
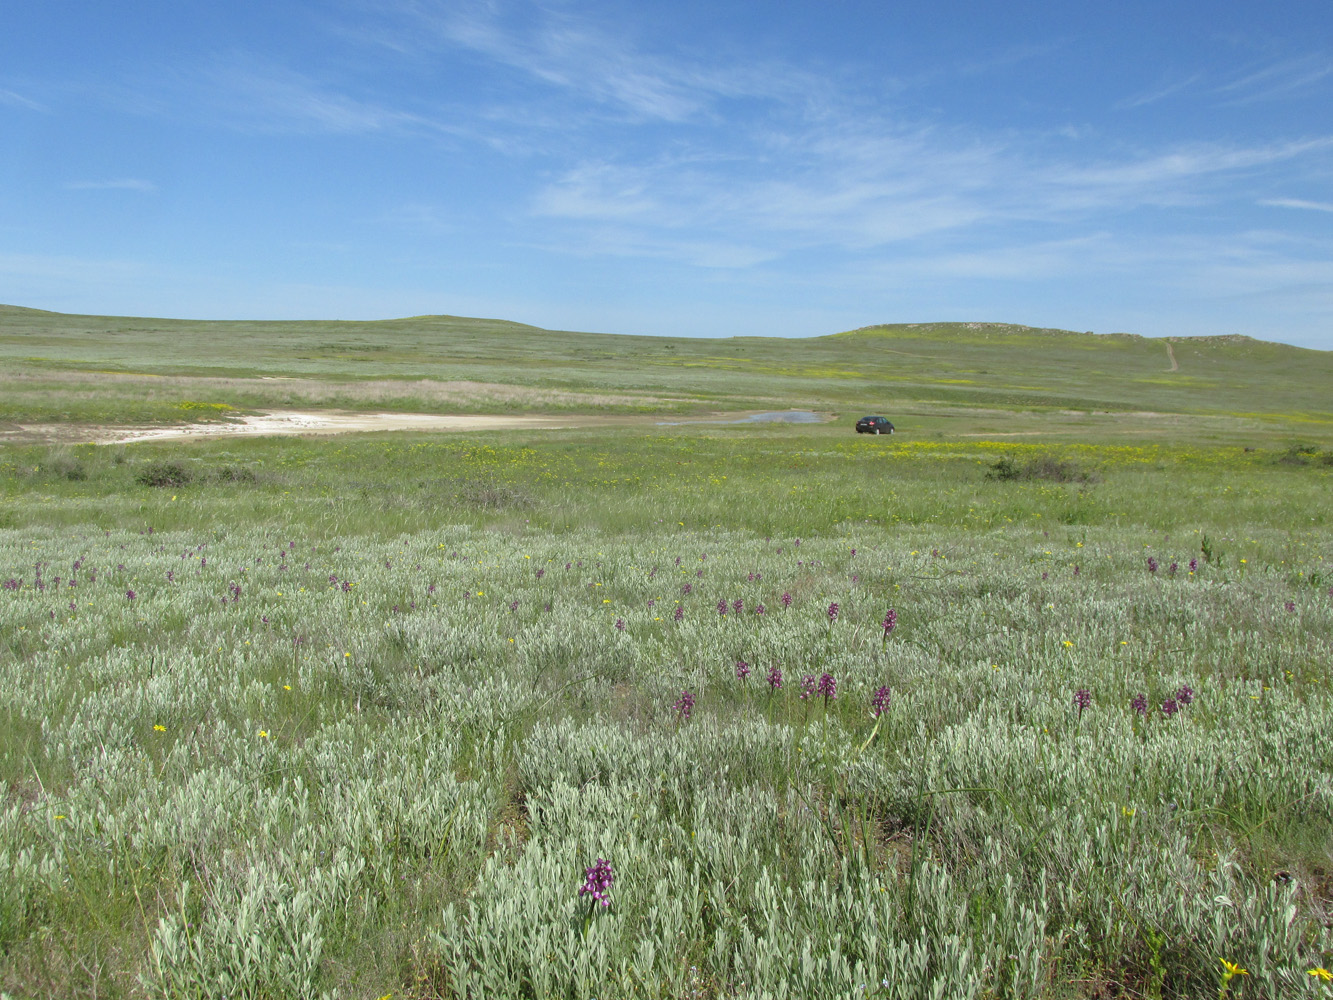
351,717
60,368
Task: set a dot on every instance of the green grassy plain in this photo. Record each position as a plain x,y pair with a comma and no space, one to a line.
350,717
947,377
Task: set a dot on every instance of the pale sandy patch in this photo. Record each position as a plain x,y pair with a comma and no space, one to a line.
326,422
293,422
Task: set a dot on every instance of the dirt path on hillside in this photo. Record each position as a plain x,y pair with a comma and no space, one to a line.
1172,355
326,422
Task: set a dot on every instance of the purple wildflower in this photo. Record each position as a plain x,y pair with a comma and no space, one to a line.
652,601
759,609
1194,564
890,622
130,595
774,678
597,882
1290,605
171,575
742,670
828,687
833,612
347,586
684,705
1171,570
540,573
738,605
1185,695
620,624
1082,699
686,590
679,613
722,606
1140,704
12,584
1169,707
786,599
1152,565
879,702
808,683
1076,569
513,605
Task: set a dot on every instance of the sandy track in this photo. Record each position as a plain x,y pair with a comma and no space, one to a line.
294,422
324,422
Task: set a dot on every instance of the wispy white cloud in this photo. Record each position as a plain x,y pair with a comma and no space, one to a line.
702,251
1156,94
12,99
860,186
1312,206
264,97
583,58
807,164
1184,163
1282,79
120,184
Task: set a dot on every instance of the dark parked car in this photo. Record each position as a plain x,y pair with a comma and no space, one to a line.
874,425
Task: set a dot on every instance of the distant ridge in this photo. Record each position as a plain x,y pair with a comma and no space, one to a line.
987,331
361,364
970,331
24,309
442,318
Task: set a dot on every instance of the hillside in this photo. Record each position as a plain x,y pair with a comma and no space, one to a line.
100,366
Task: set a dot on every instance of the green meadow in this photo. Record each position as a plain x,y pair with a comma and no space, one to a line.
1028,700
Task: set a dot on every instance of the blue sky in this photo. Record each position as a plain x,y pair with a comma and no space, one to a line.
698,168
